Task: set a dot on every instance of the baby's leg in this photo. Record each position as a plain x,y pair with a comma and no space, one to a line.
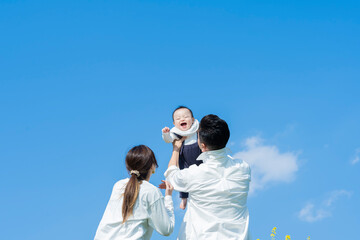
184,196
183,164
183,203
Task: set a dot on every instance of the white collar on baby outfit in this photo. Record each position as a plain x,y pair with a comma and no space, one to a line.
193,129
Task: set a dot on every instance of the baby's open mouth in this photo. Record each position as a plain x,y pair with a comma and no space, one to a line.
183,124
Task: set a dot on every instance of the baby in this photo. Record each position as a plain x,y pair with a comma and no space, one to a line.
185,126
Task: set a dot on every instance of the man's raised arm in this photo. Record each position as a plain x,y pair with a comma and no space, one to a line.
174,160
178,178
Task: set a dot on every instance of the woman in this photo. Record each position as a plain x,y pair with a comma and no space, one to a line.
136,207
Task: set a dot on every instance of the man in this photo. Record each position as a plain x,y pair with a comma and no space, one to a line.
218,188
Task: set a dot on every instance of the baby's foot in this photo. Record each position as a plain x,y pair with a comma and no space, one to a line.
183,203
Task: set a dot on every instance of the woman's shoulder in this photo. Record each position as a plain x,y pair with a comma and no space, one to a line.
147,187
121,183
149,192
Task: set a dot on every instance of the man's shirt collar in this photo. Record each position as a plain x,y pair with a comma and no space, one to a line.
216,156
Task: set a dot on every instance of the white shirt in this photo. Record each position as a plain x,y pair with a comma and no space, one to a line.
218,191
150,212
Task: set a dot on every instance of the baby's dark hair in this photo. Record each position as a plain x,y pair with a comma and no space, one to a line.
181,107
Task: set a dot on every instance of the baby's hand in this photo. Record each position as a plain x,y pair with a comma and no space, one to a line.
165,130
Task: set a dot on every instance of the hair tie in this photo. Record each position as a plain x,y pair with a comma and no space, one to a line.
136,172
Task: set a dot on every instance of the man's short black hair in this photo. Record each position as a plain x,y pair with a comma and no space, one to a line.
213,132
180,107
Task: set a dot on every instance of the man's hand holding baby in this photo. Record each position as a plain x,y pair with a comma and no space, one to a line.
177,144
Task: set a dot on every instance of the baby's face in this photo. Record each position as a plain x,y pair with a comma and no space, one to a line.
183,119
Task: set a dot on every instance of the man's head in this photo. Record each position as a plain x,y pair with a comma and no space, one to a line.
213,133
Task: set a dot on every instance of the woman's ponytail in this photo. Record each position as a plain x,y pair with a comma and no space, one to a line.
139,160
130,195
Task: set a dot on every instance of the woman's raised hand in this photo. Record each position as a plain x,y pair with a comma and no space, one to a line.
166,185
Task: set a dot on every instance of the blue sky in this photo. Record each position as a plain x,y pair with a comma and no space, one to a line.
82,82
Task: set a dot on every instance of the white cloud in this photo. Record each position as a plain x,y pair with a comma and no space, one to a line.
311,213
268,165
335,195
356,158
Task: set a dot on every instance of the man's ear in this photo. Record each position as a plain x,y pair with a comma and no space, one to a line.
203,147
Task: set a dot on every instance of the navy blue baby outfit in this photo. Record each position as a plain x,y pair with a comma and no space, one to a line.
187,157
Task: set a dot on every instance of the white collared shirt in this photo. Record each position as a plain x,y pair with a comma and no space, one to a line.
151,211
218,191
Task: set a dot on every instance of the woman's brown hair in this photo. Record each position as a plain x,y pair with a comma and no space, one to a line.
139,161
